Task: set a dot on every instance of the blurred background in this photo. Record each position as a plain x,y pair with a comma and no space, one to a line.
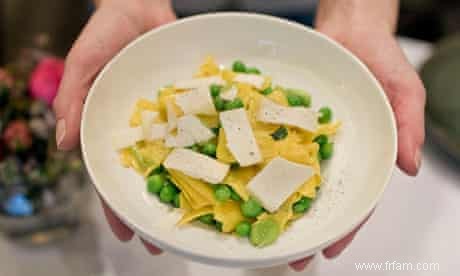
50,220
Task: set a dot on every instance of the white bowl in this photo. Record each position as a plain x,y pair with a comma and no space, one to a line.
295,56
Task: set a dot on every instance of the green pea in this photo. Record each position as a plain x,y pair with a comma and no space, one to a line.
167,193
296,97
294,100
326,115
235,196
215,130
222,192
236,103
209,149
253,70
219,103
215,89
158,170
264,232
321,139
298,208
307,100
155,183
267,91
243,229
302,205
176,200
239,66
207,219
251,208
326,151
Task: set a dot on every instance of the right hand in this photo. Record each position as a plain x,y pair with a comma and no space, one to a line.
114,24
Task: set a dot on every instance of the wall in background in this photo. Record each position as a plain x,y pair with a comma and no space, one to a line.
55,23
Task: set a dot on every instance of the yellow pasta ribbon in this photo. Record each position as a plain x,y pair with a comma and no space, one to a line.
239,178
222,152
141,105
208,68
229,214
200,193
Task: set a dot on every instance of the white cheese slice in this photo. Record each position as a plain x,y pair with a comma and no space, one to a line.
300,117
197,101
127,137
255,80
240,138
196,165
230,94
193,126
147,118
199,82
277,181
190,130
181,139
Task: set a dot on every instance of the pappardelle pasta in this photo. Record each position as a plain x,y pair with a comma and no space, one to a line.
231,150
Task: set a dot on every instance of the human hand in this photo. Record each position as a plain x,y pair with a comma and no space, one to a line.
372,40
114,24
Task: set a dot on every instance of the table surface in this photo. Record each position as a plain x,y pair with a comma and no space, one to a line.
417,221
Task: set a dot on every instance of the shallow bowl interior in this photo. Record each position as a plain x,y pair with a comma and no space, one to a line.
294,56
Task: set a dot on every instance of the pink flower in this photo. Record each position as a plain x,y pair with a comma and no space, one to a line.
44,80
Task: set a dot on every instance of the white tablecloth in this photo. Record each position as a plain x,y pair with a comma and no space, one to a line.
417,221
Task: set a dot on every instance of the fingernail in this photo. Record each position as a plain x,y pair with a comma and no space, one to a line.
60,132
151,248
331,254
301,264
418,160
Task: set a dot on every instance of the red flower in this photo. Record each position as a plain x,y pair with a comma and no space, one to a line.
45,79
17,135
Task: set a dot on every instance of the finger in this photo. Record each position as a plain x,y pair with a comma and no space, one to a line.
121,231
407,97
300,265
337,248
408,101
151,248
106,33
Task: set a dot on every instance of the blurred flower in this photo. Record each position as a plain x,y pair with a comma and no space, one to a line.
39,127
5,78
17,135
38,108
10,172
29,165
38,176
18,205
45,79
48,199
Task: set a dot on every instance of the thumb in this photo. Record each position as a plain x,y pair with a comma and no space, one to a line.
107,32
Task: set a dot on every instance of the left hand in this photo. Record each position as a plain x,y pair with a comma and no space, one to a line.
379,50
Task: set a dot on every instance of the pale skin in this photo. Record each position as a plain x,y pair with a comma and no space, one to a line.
364,27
